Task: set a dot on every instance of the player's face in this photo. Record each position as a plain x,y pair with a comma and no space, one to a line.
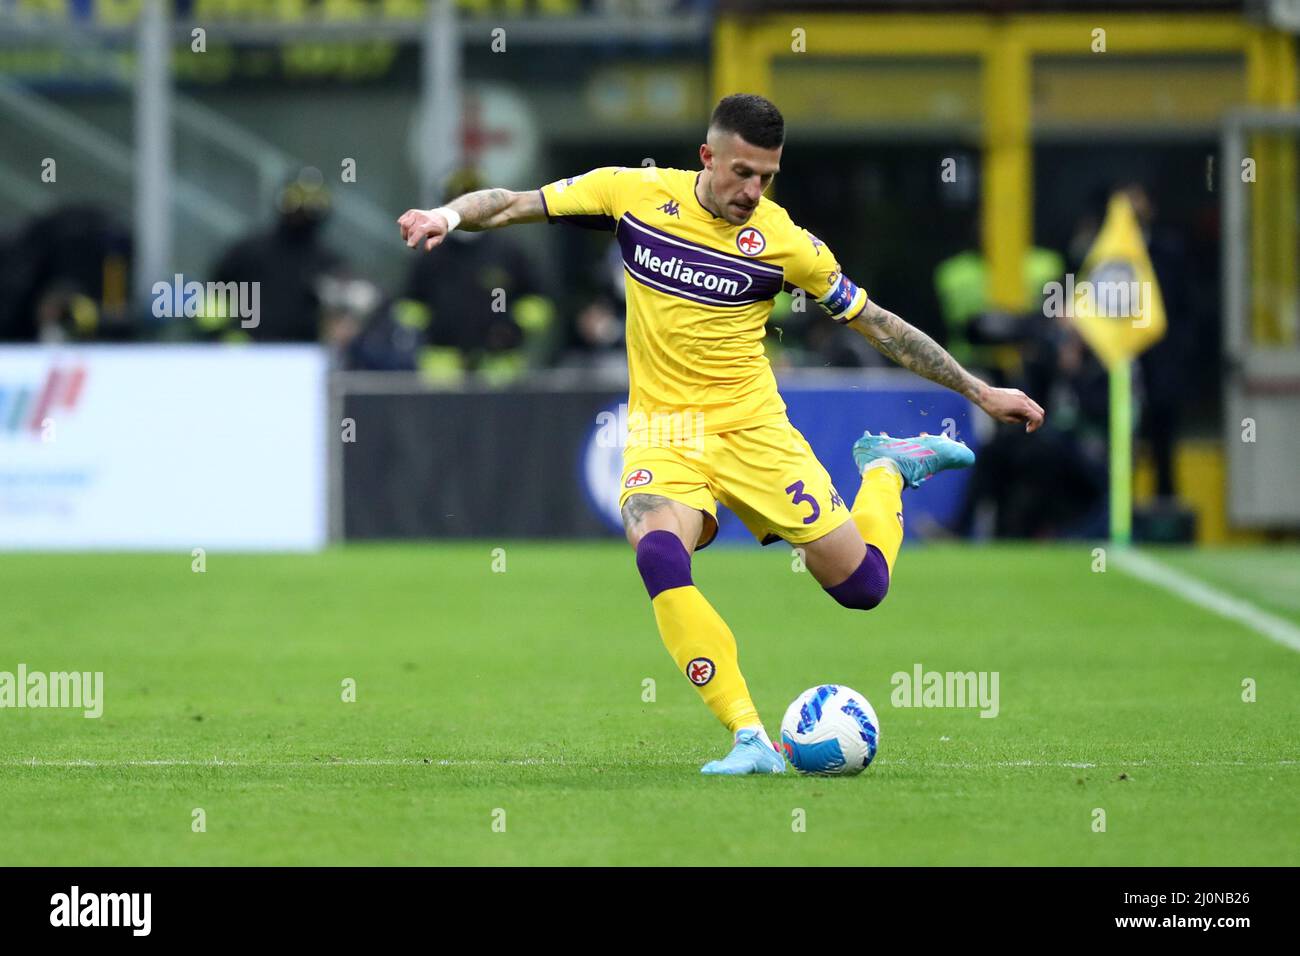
738,172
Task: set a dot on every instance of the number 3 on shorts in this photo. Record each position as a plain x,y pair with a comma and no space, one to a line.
797,494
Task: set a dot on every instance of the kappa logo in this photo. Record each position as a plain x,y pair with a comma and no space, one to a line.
671,208
638,478
750,241
700,671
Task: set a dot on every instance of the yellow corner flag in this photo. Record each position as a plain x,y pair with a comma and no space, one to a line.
1119,313
1117,305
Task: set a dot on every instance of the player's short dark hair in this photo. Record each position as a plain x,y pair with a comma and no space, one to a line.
753,118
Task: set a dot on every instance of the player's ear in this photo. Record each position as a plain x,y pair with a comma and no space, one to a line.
706,155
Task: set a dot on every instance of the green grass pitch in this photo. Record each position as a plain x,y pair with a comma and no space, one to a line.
479,691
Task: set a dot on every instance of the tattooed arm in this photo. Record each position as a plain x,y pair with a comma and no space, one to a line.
913,349
485,209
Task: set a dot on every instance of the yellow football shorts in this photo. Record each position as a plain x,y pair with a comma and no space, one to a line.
767,474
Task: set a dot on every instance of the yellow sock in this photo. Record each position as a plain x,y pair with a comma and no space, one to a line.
705,651
878,511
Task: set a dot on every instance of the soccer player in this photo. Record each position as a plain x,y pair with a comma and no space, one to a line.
704,254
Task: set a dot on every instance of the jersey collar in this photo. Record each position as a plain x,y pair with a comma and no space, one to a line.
699,205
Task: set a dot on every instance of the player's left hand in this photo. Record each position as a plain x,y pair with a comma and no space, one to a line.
1013,406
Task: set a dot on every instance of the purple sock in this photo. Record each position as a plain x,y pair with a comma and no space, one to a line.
867,586
663,562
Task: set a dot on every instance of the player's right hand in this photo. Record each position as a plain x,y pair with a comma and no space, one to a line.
422,225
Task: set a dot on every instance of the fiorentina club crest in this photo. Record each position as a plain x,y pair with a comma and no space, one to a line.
750,241
700,671
638,478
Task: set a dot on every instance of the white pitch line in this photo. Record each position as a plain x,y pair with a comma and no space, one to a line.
37,762
1197,592
1155,764
537,761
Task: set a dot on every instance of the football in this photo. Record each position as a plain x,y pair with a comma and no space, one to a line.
830,731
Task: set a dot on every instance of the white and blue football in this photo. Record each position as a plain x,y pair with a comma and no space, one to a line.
830,731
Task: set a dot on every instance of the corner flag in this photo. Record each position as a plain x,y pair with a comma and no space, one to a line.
1120,314
1118,308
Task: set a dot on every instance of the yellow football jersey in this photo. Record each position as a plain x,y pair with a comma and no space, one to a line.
699,291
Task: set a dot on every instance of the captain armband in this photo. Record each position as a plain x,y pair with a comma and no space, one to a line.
844,300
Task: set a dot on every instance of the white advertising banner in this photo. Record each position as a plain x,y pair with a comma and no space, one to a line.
160,447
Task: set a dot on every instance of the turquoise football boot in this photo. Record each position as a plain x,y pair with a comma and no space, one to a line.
918,459
749,755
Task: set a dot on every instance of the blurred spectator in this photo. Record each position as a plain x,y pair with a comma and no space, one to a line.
352,313
288,261
367,330
1052,483
977,335
66,277
483,307
597,337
